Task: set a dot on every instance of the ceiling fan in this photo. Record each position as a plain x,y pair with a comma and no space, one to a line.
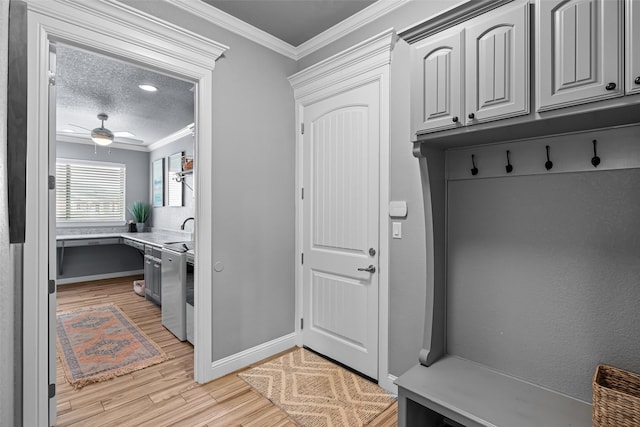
103,136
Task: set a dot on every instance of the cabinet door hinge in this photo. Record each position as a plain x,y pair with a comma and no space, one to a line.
301,323
52,182
302,128
52,78
52,286
52,391
302,193
302,258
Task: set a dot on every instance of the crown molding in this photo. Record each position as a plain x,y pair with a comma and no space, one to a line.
248,31
352,23
368,55
185,131
235,25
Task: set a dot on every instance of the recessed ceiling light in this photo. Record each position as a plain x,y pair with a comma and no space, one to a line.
124,134
148,88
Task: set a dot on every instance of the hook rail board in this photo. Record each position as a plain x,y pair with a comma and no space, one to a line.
585,152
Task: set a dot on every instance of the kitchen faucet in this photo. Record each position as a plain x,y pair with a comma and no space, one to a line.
185,222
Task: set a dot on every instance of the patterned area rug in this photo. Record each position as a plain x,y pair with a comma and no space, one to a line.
316,392
100,342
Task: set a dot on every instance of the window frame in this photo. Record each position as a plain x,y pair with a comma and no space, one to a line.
95,222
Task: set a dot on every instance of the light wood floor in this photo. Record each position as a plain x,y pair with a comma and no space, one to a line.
163,394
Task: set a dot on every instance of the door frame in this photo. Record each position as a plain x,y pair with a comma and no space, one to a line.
119,31
366,62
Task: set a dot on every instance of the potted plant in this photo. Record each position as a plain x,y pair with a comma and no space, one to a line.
140,212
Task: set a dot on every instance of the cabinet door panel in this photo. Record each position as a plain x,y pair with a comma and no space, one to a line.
437,81
579,51
497,75
633,46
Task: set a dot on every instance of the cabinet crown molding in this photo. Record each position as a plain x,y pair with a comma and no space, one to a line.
449,18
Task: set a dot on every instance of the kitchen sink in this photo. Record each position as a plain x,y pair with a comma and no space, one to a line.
180,246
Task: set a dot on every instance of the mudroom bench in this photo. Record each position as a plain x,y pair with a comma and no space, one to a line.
461,392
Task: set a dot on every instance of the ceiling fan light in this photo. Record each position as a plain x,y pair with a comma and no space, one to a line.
102,136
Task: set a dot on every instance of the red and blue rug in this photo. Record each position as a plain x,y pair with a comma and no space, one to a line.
100,342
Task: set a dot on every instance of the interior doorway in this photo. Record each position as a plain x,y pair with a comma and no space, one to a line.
97,184
113,30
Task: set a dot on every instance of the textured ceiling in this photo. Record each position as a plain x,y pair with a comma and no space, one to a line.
293,21
88,84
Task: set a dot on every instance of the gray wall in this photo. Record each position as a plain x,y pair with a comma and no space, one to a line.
253,188
137,164
85,261
171,217
543,275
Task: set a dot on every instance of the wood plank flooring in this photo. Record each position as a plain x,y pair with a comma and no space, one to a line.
164,394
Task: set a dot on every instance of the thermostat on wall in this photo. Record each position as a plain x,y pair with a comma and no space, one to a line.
398,209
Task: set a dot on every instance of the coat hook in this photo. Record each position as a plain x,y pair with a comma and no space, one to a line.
474,170
595,160
548,164
509,167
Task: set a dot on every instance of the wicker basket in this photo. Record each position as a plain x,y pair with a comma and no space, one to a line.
616,397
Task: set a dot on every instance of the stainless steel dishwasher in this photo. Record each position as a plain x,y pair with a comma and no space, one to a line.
174,288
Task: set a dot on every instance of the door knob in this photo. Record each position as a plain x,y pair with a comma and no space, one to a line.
370,269
637,80
454,119
610,86
472,116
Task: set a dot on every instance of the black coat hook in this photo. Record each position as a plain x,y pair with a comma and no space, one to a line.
548,164
474,170
595,160
509,167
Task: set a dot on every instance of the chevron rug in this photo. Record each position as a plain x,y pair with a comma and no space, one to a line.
100,342
316,392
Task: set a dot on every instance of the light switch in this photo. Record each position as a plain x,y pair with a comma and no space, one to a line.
396,231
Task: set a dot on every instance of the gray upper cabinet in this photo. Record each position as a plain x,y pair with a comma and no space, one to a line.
579,55
474,72
437,82
497,63
633,46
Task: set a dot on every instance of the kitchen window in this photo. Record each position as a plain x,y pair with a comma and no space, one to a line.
90,193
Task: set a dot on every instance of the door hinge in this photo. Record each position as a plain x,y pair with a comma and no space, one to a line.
52,391
52,286
301,323
52,78
302,193
302,258
52,182
302,128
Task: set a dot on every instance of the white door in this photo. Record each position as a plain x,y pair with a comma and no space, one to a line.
341,146
579,50
53,271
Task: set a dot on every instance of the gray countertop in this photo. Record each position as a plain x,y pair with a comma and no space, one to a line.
155,238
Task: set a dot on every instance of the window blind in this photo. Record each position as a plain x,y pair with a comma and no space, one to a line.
90,191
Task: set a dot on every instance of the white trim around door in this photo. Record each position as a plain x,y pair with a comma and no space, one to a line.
117,30
363,63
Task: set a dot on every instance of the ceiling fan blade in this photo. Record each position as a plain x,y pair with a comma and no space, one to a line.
78,126
128,140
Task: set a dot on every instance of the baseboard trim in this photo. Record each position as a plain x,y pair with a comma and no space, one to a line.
251,355
388,384
69,280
